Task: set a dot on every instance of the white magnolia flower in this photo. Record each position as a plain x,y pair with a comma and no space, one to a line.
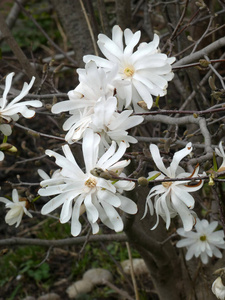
9,110
220,152
82,191
204,242
172,198
111,125
218,287
2,156
17,209
94,85
141,73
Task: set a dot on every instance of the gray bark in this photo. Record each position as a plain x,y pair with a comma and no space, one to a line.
123,13
73,21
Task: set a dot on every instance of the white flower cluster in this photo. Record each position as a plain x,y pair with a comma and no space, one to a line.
97,115
124,78
100,112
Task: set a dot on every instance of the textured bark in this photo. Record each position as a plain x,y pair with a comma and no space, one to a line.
104,18
75,26
19,54
123,13
161,258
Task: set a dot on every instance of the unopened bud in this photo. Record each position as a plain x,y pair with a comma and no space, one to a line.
51,63
201,4
45,68
143,105
8,147
142,181
212,83
58,69
211,181
190,38
204,63
48,106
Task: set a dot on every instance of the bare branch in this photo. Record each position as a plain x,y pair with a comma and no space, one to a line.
14,241
200,54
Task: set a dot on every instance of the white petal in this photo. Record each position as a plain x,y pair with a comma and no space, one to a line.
8,83
158,159
75,223
113,216
6,129
178,156
90,149
66,211
15,196
110,198
127,205
53,204
92,212
184,213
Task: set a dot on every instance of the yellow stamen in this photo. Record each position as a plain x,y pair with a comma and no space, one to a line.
129,72
91,182
167,184
203,238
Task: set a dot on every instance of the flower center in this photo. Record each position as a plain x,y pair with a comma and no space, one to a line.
167,184
129,71
203,238
91,182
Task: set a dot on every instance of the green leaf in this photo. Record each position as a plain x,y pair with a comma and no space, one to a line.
154,177
215,167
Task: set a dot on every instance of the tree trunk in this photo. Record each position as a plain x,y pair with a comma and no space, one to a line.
123,13
161,258
73,21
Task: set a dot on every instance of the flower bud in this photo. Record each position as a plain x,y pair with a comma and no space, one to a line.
142,181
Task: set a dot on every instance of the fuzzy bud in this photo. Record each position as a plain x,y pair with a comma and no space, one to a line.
142,181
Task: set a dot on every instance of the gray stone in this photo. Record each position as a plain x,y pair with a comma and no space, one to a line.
98,276
79,287
50,296
139,266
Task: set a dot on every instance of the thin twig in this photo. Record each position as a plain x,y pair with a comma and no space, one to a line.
117,290
132,272
39,133
89,27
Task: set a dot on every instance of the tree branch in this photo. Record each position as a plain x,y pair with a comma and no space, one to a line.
14,241
200,54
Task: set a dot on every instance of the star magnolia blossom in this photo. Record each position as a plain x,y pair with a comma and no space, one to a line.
172,198
218,289
204,242
220,152
80,191
17,209
9,111
141,73
112,125
94,85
